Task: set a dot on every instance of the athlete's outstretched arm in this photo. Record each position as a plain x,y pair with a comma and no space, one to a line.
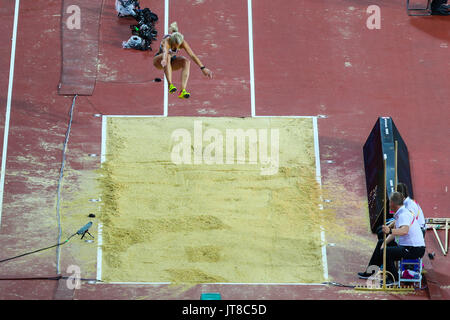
194,58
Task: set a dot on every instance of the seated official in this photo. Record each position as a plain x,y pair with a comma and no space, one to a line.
411,205
409,244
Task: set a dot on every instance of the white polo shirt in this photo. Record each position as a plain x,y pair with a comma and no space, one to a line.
411,205
414,238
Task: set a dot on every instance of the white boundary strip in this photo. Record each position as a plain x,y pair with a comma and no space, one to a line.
319,181
166,84
8,106
250,48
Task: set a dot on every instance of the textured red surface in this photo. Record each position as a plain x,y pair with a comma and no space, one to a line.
79,46
310,57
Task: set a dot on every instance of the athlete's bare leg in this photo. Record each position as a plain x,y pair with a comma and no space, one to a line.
184,64
167,69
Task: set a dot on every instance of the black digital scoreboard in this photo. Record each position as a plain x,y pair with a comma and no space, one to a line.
381,145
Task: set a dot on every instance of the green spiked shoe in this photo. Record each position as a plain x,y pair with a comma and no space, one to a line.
184,94
172,88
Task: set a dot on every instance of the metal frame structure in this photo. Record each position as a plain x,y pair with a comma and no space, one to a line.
419,11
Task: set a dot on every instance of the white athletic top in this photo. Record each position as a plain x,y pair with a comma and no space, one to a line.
413,206
414,238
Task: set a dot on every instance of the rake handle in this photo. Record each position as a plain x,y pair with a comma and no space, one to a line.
439,240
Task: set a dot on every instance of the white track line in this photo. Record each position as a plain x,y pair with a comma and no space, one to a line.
317,151
166,85
8,106
319,181
250,49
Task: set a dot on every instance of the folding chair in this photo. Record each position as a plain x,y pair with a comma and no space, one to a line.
418,11
414,265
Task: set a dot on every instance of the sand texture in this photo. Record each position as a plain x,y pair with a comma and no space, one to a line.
201,223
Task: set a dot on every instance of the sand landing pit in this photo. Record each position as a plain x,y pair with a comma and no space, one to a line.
177,207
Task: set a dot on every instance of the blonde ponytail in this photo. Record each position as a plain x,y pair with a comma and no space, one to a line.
175,36
173,27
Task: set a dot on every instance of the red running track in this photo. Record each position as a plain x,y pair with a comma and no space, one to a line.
314,57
